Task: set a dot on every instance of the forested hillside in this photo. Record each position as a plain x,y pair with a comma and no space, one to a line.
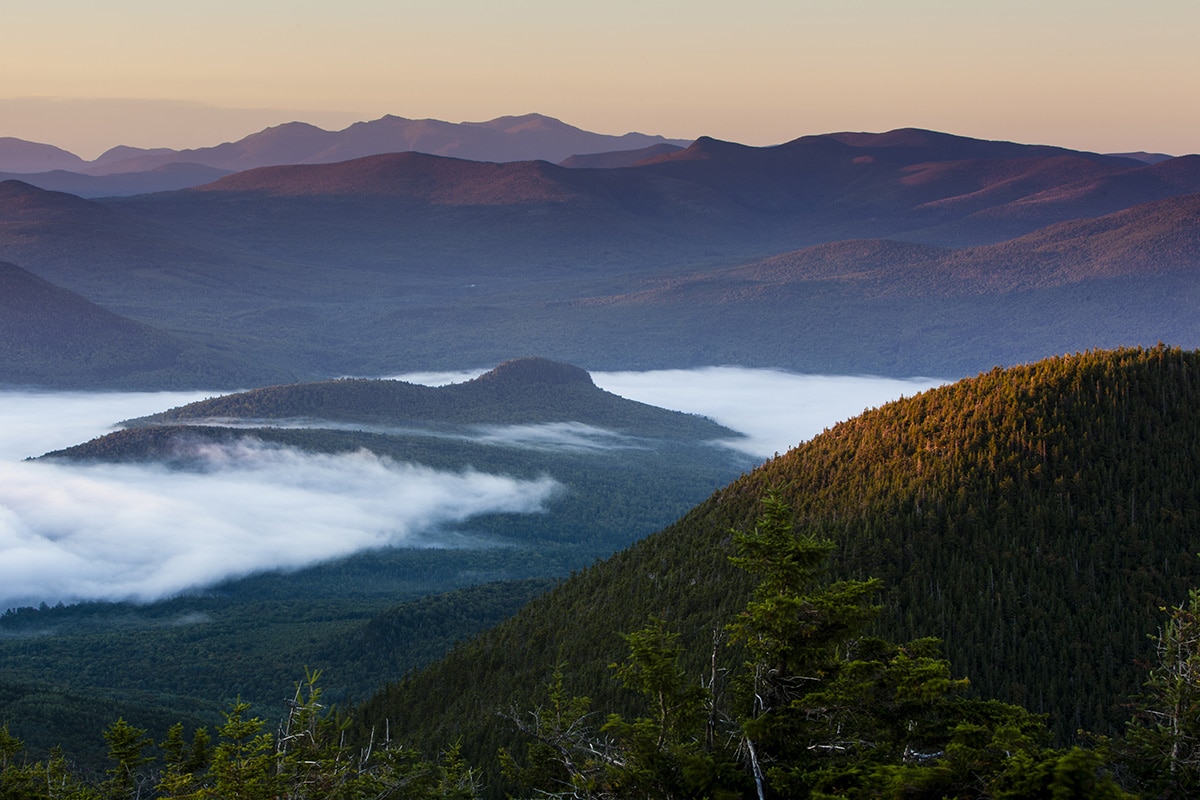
519,391
54,337
1035,519
781,639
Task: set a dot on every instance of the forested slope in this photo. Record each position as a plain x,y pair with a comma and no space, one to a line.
1035,518
519,391
54,337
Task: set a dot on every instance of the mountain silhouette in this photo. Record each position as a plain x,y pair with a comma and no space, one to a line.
521,138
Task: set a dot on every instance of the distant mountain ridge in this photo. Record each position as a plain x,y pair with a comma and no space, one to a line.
164,178
404,261
619,158
124,170
528,137
18,155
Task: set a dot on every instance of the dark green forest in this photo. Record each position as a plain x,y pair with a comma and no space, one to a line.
810,707
1034,519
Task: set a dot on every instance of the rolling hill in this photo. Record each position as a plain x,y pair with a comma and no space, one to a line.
520,391
1035,519
1150,240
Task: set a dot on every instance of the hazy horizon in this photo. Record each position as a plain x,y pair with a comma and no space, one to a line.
1094,77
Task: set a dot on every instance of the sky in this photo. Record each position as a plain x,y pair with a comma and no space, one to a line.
142,532
1103,75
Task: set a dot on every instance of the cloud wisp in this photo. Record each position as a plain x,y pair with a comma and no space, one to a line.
544,436
775,410
121,531
549,436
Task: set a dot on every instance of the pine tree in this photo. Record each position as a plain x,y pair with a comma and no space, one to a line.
126,750
1163,740
794,630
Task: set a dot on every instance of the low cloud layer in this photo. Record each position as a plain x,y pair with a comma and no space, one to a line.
33,423
72,532
775,410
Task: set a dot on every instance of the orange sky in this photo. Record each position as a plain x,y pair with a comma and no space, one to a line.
1100,75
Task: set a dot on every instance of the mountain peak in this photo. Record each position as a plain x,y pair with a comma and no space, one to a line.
20,156
704,148
537,370
526,123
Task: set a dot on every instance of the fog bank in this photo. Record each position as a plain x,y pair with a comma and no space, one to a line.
776,410
119,531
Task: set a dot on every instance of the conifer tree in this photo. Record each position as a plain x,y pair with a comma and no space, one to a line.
126,751
1163,740
793,629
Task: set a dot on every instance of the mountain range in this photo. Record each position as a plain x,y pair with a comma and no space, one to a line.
1000,252
1035,518
127,170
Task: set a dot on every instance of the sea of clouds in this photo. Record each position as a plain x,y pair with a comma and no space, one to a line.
72,532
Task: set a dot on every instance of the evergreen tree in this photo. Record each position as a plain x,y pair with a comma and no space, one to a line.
126,751
1163,739
667,753
243,762
794,630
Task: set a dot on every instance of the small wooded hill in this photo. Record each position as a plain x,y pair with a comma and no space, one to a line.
1035,518
521,391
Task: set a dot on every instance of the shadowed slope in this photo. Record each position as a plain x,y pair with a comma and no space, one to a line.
53,337
1153,240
